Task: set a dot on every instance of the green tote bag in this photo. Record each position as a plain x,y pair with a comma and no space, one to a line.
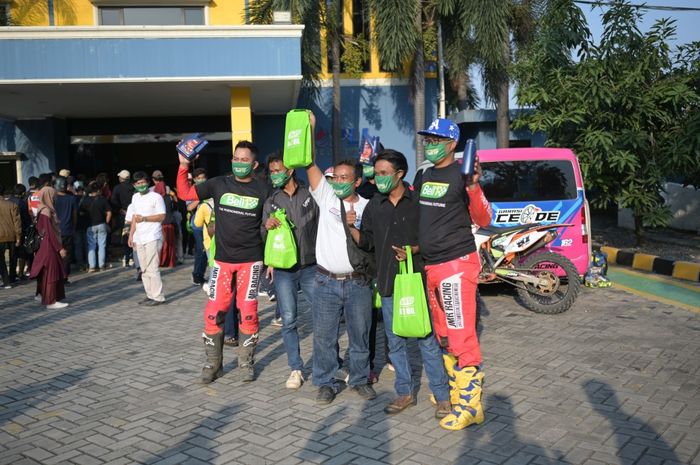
280,247
297,139
411,317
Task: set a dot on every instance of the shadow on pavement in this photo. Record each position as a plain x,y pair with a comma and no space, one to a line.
634,439
363,441
16,401
497,439
198,446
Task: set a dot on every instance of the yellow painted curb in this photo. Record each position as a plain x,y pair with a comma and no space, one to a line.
612,253
686,270
642,261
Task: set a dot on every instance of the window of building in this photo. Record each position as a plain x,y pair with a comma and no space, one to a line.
151,16
4,14
361,26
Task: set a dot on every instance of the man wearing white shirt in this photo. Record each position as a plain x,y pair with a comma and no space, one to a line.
340,287
146,213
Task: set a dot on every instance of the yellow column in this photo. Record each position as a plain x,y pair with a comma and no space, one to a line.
241,125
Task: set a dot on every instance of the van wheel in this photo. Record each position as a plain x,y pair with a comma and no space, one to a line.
559,284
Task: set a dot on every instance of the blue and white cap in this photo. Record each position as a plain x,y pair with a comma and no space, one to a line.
441,127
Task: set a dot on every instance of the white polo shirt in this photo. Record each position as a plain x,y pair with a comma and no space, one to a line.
331,245
147,204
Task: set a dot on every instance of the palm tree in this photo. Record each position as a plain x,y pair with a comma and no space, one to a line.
399,37
488,33
314,15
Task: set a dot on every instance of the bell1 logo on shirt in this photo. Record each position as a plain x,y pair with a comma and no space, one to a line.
239,201
434,190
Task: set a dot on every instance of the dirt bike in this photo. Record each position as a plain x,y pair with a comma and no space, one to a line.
546,282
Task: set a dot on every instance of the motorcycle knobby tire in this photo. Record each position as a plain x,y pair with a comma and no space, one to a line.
533,301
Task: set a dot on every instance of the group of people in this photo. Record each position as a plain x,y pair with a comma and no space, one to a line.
345,242
350,238
73,221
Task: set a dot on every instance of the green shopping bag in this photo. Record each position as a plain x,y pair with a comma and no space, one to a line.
297,139
280,247
411,318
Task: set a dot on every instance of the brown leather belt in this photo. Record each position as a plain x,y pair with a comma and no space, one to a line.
341,276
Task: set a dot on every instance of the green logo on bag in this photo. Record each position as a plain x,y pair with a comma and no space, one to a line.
407,306
239,201
434,190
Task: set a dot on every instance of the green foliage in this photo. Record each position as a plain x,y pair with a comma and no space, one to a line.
625,107
395,31
355,55
306,12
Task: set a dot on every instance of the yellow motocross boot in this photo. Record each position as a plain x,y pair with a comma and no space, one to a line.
468,410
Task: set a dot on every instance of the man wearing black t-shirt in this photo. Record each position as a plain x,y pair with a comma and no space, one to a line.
238,205
449,203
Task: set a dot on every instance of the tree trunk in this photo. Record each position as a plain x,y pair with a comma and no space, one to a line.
335,50
419,86
503,104
502,120
461,85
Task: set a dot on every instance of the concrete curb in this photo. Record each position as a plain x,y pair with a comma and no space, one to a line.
677,269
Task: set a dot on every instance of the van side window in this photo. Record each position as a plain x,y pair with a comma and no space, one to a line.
533,180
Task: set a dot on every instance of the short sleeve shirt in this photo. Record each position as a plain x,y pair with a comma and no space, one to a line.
331,245
146,205
238,208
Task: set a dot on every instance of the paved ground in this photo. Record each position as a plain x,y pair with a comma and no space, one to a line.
614,380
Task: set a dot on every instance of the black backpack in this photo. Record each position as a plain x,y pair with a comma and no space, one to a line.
32,240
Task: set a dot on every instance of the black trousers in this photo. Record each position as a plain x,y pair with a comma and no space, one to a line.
7,278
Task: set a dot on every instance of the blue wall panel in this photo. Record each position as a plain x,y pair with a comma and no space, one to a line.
139,58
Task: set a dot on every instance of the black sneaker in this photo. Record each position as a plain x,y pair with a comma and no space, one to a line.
144,301
153,303
325,395
365,391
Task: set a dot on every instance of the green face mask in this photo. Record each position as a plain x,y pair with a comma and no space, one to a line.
435,152
279,179
385,184
342,189
141,189
368,171
241,169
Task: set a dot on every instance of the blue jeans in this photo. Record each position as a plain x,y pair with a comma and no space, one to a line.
430,352
287,283
97,245
200,257
331,298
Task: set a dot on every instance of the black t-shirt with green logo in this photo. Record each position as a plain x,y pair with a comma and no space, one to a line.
238,208
445,225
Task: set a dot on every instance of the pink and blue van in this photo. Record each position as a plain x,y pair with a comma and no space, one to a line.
540,185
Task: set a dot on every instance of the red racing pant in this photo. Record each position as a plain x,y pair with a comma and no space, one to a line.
247,276
452,296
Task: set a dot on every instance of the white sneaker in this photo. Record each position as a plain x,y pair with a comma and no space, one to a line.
37,298
205,288
56,306
296,379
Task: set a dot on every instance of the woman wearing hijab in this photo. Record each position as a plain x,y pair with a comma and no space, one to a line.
47,267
